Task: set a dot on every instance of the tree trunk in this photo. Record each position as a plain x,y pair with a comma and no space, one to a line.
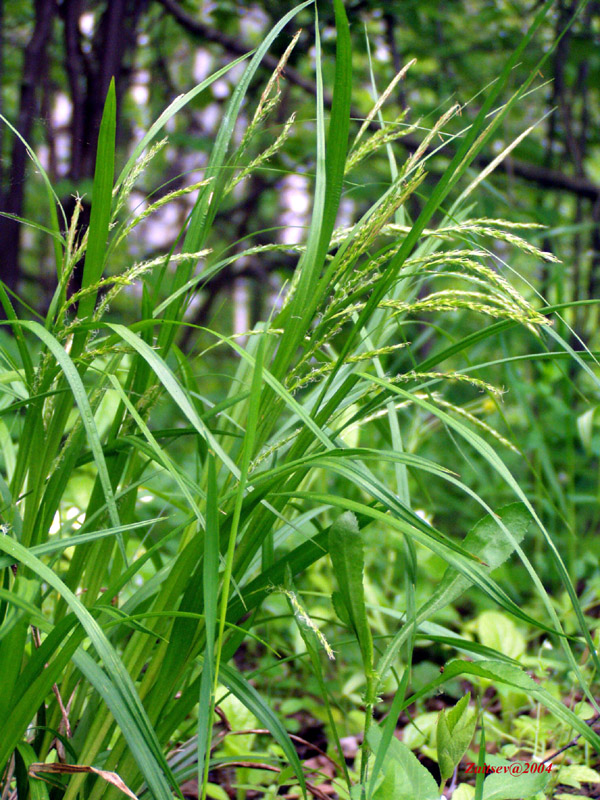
11,196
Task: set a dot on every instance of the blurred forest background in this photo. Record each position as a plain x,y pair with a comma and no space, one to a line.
58,57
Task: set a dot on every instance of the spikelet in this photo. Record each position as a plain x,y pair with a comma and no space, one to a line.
268,101
495,162
168,198
482,386
117,282
371,229
389,133
303,617
137,170
263,157
475,421
324,369
384,96
454,299
268,451
415,158
127,278
473,270
70,256
495,229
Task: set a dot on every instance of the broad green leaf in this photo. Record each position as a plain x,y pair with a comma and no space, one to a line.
464,791
405,778
499,632
486,541
455,731
389,729
512,785
576,774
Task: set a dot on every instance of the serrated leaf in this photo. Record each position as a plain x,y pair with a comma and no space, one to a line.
347,556
454,733
340,608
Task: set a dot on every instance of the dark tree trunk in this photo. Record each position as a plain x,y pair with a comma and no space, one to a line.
11,196
89,76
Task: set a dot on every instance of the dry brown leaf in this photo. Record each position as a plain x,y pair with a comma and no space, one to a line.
72,769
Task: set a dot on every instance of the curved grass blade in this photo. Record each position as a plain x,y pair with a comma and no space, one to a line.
158,453
87,416
118,690
467,566
248,695
53,201
210,196
500,672
483,541
169,112
206,705
490,455
58,545
101,204
37,788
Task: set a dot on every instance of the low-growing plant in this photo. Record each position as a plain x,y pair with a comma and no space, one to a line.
120,625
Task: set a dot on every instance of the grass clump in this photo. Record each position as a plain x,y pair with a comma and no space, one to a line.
119,632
